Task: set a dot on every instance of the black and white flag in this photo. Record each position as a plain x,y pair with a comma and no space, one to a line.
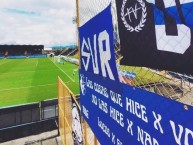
156,34
76,124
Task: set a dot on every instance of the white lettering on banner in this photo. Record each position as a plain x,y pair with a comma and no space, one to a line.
133,11
140,135
119,142
101,90
116,98
94,58
178,138
136,109
117,116
129,128
139,122
87,55
104,128
145,138
94,99
113,138
187,133
103,106
105,55
89,84
157,121
85,112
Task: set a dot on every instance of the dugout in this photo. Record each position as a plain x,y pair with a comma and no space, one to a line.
18,50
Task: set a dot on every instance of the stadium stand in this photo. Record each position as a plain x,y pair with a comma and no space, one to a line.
70,55
69,59
63,51
69,52
21,51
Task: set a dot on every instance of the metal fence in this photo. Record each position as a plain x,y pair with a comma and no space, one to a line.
49,109
24,120
172,85
19,115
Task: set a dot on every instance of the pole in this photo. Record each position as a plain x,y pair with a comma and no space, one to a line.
78,25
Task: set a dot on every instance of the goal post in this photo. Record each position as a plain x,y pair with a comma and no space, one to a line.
57,59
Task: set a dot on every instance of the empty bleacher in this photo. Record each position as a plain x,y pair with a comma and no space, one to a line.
69,52
21,51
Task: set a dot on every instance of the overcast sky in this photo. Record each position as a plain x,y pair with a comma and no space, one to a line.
47,22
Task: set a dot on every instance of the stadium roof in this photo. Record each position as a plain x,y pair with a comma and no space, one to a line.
62,47
21,46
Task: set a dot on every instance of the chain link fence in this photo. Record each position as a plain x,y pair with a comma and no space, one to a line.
169,84
172,85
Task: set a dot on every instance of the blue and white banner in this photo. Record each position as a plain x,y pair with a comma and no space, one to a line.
119,114
96,46
157,34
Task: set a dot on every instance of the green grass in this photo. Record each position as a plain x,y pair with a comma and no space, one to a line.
32,80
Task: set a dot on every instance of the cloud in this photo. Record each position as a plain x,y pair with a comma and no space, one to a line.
47,22
9,10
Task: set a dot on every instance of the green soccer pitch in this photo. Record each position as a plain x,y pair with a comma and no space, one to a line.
30,80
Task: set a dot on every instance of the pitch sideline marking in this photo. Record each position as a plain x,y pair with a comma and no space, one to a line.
27,87
63,72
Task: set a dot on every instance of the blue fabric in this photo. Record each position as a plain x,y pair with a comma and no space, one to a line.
98,113
100,23
187,11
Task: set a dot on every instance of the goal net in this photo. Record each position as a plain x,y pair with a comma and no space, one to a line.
57,59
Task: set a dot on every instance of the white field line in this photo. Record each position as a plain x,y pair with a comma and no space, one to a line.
27,87
67,82
18,72
63,72
24,71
